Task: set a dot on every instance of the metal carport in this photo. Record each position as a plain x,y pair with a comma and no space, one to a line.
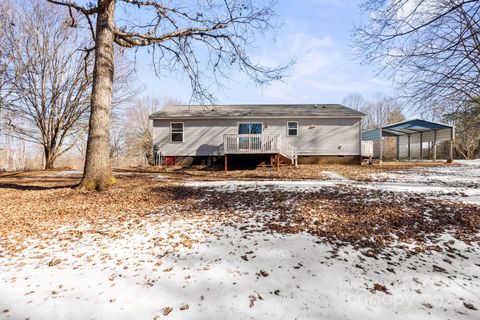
413,133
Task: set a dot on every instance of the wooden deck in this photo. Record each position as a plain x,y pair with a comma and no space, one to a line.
258,144
251,143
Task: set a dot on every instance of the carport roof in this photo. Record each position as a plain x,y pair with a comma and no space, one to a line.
404,127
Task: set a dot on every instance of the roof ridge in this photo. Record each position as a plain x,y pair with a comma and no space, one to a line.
257,110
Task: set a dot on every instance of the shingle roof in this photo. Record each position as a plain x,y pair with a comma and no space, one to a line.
256,110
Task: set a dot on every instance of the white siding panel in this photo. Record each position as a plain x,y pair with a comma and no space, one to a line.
415,145
427,136
444,134
315,136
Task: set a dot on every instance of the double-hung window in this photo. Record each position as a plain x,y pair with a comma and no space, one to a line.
176,132
292,128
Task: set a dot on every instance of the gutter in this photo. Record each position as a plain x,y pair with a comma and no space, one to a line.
253,117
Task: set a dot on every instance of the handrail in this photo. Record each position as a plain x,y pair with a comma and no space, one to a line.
257,144
251,143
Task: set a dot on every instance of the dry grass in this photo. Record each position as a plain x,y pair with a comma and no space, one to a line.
33,204
302,172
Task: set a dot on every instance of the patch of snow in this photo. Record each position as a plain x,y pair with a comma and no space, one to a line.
245,186
449,183
334,176
475,162
460,183
231,275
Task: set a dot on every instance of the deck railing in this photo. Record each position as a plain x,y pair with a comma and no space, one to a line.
289,152
251,143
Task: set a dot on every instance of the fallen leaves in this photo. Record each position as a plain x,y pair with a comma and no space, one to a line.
187,243
262,273
338,215
252,300
372,222
166,311
469,306
379,287
439,269
54,262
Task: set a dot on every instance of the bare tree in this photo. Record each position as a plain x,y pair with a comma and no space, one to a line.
430,47
194,37
5,12
138,126
117,143
467,129
381,111
378,112
355,101
46,79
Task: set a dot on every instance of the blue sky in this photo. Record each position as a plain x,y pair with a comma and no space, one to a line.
317,35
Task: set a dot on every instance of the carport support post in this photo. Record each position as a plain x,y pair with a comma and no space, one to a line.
434,145
409,153
398,147
421,145
381,144
277,161
450,152
226,163
450,156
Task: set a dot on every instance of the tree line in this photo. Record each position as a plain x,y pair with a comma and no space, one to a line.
431,52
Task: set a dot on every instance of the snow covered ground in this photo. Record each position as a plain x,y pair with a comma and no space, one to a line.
460,183
181,269
236,275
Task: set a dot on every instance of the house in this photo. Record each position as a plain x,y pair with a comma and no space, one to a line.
305,134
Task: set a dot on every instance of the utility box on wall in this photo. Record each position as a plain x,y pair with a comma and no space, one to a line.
367,149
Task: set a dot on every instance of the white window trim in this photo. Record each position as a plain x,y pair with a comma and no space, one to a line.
292,135
183,132
248,122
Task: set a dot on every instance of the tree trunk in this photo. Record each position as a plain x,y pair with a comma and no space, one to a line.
97,174
49,159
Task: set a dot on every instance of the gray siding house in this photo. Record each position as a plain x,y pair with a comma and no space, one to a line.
312,133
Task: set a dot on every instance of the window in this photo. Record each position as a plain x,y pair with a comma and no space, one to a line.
250,128
176,131
292,128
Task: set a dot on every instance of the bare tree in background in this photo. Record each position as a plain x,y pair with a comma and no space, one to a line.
430,47
5,12
138,126
355,101
381,111
117,143
194,37
49,89
378,112
467,129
